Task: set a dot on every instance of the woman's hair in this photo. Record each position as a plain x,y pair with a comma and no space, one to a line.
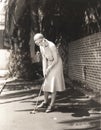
38,36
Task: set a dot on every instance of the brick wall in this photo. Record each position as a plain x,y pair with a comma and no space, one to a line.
84,60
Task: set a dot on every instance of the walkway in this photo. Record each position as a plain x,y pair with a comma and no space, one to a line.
74,111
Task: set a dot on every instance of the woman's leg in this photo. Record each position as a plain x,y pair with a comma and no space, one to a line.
50,107
53,97
45,102
46,94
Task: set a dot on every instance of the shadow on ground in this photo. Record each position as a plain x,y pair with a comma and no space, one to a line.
19,96
68,102
84,111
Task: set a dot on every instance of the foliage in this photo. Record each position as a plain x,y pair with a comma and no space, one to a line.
19,65
18,35
61,21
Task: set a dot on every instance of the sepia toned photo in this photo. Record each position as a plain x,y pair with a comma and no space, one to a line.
50,64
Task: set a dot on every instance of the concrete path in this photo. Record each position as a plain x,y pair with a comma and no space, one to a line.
72,112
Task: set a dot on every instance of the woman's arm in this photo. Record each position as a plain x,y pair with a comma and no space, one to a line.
44,63
55,57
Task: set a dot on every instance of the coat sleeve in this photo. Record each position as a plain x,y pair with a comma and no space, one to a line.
44,62
55,57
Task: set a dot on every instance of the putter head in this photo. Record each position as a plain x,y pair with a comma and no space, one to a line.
33,112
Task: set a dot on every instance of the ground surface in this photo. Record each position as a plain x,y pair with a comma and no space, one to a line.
74,111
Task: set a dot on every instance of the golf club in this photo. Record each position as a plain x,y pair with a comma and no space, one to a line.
34,111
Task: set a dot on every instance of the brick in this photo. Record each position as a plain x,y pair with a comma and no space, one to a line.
86,52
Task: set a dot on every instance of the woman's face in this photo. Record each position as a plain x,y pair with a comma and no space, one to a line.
39,42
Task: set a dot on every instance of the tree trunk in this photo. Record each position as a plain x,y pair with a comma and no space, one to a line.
56,19
20,59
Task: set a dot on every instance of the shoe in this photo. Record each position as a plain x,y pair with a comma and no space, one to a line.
42,105
50,109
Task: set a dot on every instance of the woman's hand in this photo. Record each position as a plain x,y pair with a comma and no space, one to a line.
47,72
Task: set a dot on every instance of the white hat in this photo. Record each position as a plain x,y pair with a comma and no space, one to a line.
38,36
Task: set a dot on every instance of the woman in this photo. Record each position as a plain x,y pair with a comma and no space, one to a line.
52,71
